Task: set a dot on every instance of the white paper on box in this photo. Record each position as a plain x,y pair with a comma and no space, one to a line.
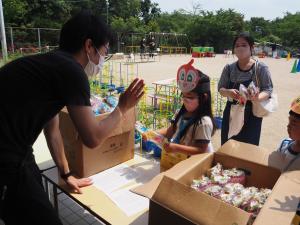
117,181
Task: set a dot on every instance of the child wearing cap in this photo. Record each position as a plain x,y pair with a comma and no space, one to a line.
191,131
291,147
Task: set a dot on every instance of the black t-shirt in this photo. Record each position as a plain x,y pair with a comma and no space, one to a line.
33,90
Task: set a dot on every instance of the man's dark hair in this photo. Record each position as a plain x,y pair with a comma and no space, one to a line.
81,27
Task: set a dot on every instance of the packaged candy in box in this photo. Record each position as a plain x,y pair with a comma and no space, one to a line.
234,188
220,179
232,199
214,190
236,176
216,170
201,184
228,186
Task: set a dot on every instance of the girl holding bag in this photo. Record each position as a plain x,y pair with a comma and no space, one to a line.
239,123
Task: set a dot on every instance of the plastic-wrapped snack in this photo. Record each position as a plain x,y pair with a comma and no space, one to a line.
112,101
262,195
234,188
252,89
227,197
140,127
216,170
214,190
252,206
201,184
156,138
104,108
220,179
243,95
236,176
95,103
237,200
248,193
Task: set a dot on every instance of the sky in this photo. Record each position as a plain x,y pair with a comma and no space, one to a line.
269,9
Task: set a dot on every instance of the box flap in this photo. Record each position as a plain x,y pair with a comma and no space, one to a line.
253,154
176,173
185,201
127,124
282,204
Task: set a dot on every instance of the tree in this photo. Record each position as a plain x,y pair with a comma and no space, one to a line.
14,12
149,11
258,27
288,30
217,30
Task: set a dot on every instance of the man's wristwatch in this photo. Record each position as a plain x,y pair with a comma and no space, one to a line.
66,175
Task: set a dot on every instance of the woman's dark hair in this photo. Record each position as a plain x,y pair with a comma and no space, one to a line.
81,27
204,108
246,37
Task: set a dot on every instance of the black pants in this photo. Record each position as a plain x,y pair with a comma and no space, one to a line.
251,130
22,197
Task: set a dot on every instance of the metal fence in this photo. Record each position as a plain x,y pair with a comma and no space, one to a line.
31,40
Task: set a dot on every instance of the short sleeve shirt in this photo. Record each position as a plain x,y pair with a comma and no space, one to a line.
203,132
33,90
232,73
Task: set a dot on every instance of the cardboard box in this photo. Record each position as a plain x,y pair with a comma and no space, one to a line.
117,148
174,202
169,159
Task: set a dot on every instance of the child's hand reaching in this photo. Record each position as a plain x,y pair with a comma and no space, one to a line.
168,147
144,136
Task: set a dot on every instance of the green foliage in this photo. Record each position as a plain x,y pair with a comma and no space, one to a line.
215,29
288,30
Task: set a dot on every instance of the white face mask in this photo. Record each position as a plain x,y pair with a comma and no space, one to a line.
242,52
91,69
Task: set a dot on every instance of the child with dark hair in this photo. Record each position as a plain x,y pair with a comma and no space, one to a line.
291,147
191,131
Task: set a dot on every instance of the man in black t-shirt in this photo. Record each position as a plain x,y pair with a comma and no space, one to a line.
33,90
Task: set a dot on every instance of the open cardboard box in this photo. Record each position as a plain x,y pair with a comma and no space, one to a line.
173,201
117,148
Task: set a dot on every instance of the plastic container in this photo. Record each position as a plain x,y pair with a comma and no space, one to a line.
157,151
218,121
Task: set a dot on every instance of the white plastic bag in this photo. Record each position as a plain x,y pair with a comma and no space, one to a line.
236,119
264,108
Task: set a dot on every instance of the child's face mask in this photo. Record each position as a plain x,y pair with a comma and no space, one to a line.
190,103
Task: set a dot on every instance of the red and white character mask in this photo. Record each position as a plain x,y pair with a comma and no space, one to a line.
187,77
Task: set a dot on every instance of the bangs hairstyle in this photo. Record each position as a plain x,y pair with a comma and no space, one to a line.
246,37
81,27
204,108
